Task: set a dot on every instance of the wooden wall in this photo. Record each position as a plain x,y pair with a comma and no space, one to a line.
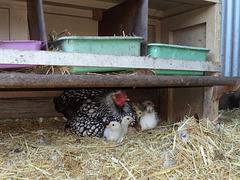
13,24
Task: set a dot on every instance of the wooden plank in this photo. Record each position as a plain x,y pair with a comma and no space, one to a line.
154,31
200,2
8,56
180,9
72,7
74,24
13,25
106,4
188,36
165,104
83,4
187,101
27,108
175,103
24,93
55,10
18,23
36,81
210,106
163,5
4,24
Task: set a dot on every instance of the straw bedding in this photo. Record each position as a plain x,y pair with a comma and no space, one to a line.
186,150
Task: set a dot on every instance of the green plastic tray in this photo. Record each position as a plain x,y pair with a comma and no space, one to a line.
114,45
177,52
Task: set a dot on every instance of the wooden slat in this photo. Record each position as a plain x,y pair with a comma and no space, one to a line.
98,60
27,108
72,7
29,94
82,4
200,2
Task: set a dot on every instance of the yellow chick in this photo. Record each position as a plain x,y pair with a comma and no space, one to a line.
113,131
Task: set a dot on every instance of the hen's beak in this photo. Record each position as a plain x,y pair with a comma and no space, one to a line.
127,99
109,126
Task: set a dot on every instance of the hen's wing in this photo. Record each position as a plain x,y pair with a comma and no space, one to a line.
83,125
71,100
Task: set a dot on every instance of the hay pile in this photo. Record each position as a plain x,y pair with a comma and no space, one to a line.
35,150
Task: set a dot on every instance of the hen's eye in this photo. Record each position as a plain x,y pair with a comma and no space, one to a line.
127,118
113,125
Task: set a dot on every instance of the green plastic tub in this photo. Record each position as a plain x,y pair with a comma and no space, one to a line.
177,52
114,45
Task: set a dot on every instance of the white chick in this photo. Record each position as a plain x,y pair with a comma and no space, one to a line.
126,120
150,119
113,131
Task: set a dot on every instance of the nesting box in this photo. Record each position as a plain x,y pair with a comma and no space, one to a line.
22,45
129,46
177,52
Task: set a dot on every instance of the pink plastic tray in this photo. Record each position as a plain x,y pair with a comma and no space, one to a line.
21,45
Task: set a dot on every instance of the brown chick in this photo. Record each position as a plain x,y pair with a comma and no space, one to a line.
136,106
137,126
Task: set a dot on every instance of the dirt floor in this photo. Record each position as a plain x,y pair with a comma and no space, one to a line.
33,149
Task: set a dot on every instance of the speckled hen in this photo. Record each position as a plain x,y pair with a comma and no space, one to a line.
89,111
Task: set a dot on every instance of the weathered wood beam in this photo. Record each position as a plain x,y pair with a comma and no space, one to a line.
27,108
31,81
8,56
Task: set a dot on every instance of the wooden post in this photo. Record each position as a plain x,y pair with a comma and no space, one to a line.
36,21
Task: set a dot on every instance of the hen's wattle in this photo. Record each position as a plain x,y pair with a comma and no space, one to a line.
89,111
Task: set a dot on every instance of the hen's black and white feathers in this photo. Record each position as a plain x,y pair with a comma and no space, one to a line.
89,111
70,101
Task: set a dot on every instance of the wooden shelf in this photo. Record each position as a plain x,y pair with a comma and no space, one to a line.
8,56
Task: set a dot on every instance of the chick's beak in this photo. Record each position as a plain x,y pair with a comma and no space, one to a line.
132,120
109,126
